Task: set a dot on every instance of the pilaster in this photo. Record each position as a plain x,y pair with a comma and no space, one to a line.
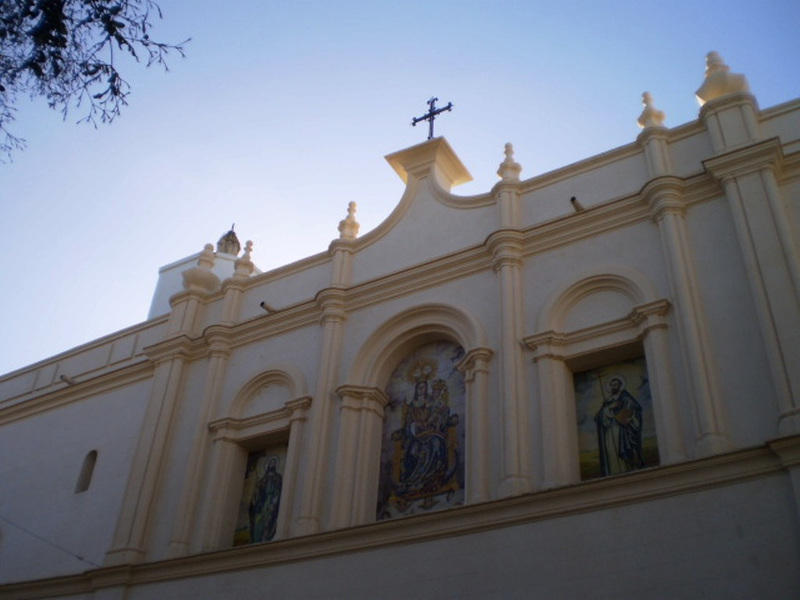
332,304
130,537
667,208
559,434
357,455
297,426
505,246
475,366
788,452
186,518
769,249
651,322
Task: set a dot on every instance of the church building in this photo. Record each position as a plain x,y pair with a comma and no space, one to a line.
585,384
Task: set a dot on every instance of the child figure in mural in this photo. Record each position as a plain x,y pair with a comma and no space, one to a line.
619,430
425,462
265,503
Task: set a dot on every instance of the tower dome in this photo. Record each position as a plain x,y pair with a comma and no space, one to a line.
229,243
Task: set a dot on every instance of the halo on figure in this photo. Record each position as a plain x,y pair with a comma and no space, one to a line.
620,378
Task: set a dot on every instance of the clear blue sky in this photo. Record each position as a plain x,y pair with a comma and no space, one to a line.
283,110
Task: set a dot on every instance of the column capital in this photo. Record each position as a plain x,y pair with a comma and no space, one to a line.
359,398
218,338
664,195
475,361
651,315
331,301
548,344
505,246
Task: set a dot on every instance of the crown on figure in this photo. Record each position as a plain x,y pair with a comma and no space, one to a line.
422,370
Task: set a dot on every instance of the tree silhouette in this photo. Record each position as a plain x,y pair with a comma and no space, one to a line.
64,51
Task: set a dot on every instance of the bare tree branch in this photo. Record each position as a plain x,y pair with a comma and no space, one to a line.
63,51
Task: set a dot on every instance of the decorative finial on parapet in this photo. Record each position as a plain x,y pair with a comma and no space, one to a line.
206,258
651,116
244,267
348,227
201,277
719,80
509,170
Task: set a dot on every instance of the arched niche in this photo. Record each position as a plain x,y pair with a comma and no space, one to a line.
363,401
594,297
267,416
404,332
268,392
602,317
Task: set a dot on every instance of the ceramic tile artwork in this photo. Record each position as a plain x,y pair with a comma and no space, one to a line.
422,458
261,496
616,428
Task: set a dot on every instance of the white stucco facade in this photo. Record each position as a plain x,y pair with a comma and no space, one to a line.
682,247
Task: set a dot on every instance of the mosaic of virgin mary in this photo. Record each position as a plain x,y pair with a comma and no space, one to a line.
422,458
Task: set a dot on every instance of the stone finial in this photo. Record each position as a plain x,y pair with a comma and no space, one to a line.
201,277
206,258
348,227
244,267
719,80
509,170
229,243
651,116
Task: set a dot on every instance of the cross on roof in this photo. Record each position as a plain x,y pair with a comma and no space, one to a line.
431,115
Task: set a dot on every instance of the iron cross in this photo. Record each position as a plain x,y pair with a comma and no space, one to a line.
431,115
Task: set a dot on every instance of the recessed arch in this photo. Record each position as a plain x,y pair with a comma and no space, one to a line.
625,282
285,376
400,334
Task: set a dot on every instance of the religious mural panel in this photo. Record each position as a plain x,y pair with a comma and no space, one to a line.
261,496
616,427
422,456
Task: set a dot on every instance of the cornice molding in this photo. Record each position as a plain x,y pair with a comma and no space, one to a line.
728,101
560,345
746,160
180,346
648,485
85,388
238,430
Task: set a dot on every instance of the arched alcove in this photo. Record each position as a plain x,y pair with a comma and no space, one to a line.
594,297
255,459
364,401
399,335
607,323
